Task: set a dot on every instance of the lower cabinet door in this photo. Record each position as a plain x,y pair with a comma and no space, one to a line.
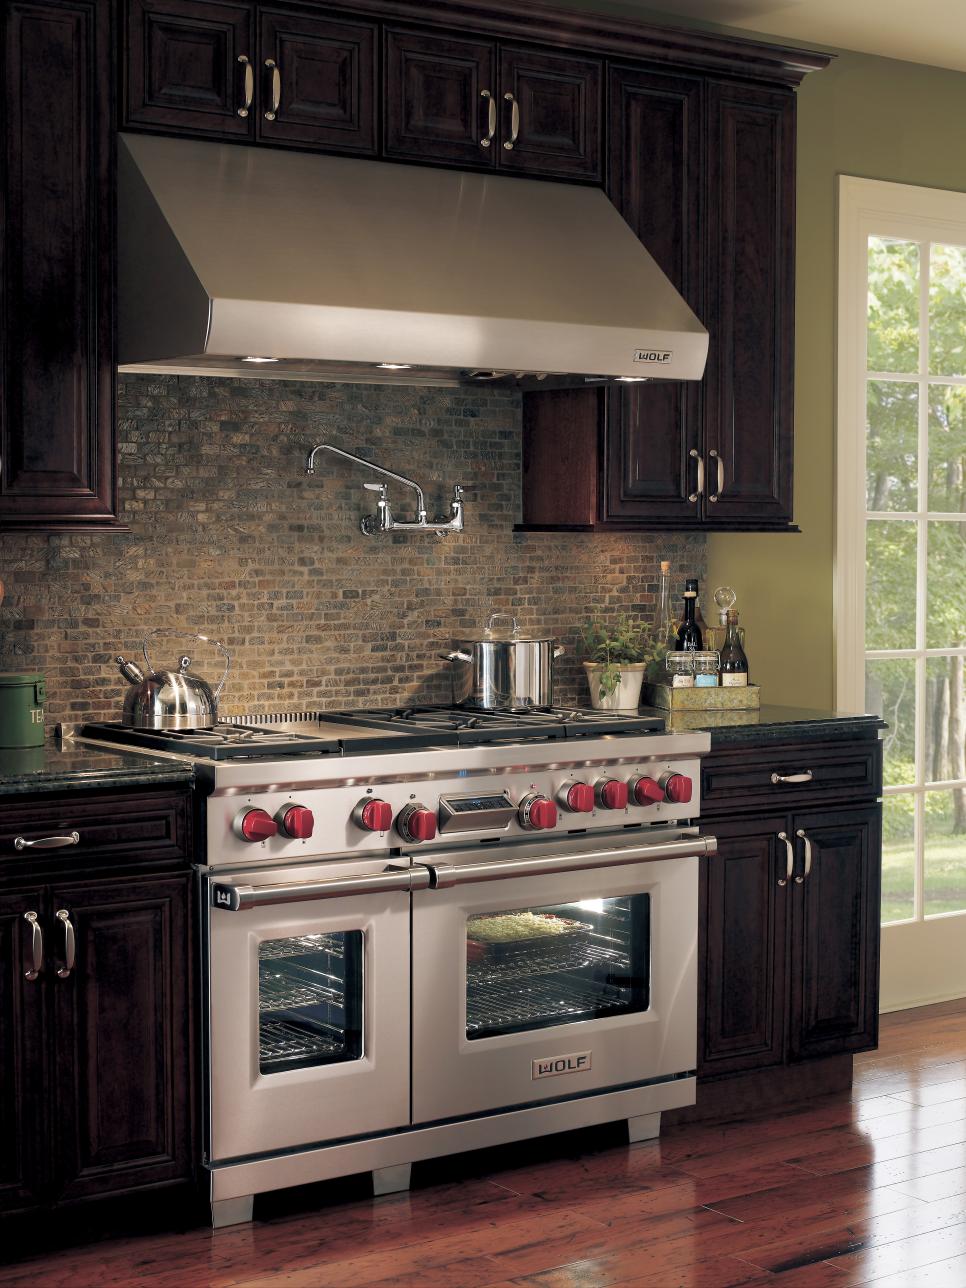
744,916
835,932
23,1142
120,976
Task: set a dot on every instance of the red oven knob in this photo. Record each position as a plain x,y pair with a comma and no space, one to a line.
254,825
373,815
537,813
612,794
578,799
296,820
677,788
647,792
416,823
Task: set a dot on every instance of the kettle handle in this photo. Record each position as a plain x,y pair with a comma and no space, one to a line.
193,635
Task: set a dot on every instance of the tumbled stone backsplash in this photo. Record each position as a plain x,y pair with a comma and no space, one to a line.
230,538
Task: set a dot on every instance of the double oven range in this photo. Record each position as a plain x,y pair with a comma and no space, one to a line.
425,931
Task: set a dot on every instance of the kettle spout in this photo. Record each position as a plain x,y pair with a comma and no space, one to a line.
130,670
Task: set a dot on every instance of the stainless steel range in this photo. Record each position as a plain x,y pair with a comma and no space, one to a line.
428,931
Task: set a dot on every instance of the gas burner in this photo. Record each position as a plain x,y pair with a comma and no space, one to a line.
473,728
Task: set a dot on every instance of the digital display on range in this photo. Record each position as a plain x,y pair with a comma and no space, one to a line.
472,805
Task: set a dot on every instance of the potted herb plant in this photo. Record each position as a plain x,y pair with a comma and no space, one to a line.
616,659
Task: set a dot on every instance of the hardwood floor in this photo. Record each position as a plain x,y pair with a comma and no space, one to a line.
867,1188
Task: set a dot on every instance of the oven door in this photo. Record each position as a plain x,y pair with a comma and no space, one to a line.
544,974
308,1005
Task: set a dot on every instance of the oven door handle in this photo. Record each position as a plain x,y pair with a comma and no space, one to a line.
234,897
444,875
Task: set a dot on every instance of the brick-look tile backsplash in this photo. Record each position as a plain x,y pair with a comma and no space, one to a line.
230,538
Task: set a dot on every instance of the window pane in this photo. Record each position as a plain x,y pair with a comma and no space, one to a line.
946,585
945,865
945,749
898,857
892,445
893,317
947,311
947,448
890,692
890,582
533,968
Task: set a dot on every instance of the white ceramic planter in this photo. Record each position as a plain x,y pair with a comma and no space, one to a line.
627,695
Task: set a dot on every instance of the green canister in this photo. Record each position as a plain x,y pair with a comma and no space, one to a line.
22,697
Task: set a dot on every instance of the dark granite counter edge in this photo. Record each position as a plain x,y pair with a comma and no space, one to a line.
80,780
773,725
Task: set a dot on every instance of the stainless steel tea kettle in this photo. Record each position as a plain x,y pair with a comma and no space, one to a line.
171,699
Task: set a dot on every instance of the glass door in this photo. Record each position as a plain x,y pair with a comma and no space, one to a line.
309,1001
534,968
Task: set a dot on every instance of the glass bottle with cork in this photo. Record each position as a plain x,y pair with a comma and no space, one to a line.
689,637
734,662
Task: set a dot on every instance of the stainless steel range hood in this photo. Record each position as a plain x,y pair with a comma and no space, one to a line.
332,266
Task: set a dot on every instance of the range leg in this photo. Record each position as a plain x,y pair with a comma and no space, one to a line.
391,1180
646,1127
232,1211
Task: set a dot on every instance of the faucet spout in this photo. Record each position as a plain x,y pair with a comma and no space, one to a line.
359,460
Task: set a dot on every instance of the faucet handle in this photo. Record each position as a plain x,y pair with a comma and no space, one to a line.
376,487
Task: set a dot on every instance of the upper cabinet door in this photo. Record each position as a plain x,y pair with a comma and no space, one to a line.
653,430
191,67
550,114
318,82
751,265
441,102
56,266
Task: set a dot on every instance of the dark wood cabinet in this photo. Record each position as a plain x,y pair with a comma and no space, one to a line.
56,261
319,81
191,67
122,1077
96,1050
468,102
835,931
789,930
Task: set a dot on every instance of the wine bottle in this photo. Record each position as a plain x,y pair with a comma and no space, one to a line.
734,663
689,633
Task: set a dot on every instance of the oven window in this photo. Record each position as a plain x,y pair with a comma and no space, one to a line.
537,967
309,1001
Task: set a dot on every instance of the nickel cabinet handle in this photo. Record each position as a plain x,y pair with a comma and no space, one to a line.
490,101
514,121
696,455
46,842
272,66
70,946
789,859
249,84
721,479
803,776
36,946
808,855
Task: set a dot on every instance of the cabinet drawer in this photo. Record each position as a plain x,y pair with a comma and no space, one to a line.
149,825
785,775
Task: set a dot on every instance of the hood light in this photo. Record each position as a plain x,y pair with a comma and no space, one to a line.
631,380
395,366
256,359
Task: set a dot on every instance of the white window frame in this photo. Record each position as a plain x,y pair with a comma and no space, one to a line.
922,959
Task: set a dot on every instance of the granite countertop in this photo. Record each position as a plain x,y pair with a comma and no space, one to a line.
71,766
770,724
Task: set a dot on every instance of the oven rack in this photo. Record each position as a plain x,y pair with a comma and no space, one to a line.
286,992
282,1041
546,961
299,946
513,1004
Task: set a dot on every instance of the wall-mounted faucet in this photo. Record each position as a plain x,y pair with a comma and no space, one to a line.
384,520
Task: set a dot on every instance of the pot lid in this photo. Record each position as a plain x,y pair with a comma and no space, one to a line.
503,628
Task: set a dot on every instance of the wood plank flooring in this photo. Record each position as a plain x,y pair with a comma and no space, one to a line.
867,1188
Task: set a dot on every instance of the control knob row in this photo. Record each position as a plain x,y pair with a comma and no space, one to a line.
295,821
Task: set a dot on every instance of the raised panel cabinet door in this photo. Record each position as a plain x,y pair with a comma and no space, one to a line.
190,67
24,1146
318,81
654,168
550,113
56,266
835,932
122,1007
440,98
742,948
751,267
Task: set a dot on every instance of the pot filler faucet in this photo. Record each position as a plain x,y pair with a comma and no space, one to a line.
384,520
